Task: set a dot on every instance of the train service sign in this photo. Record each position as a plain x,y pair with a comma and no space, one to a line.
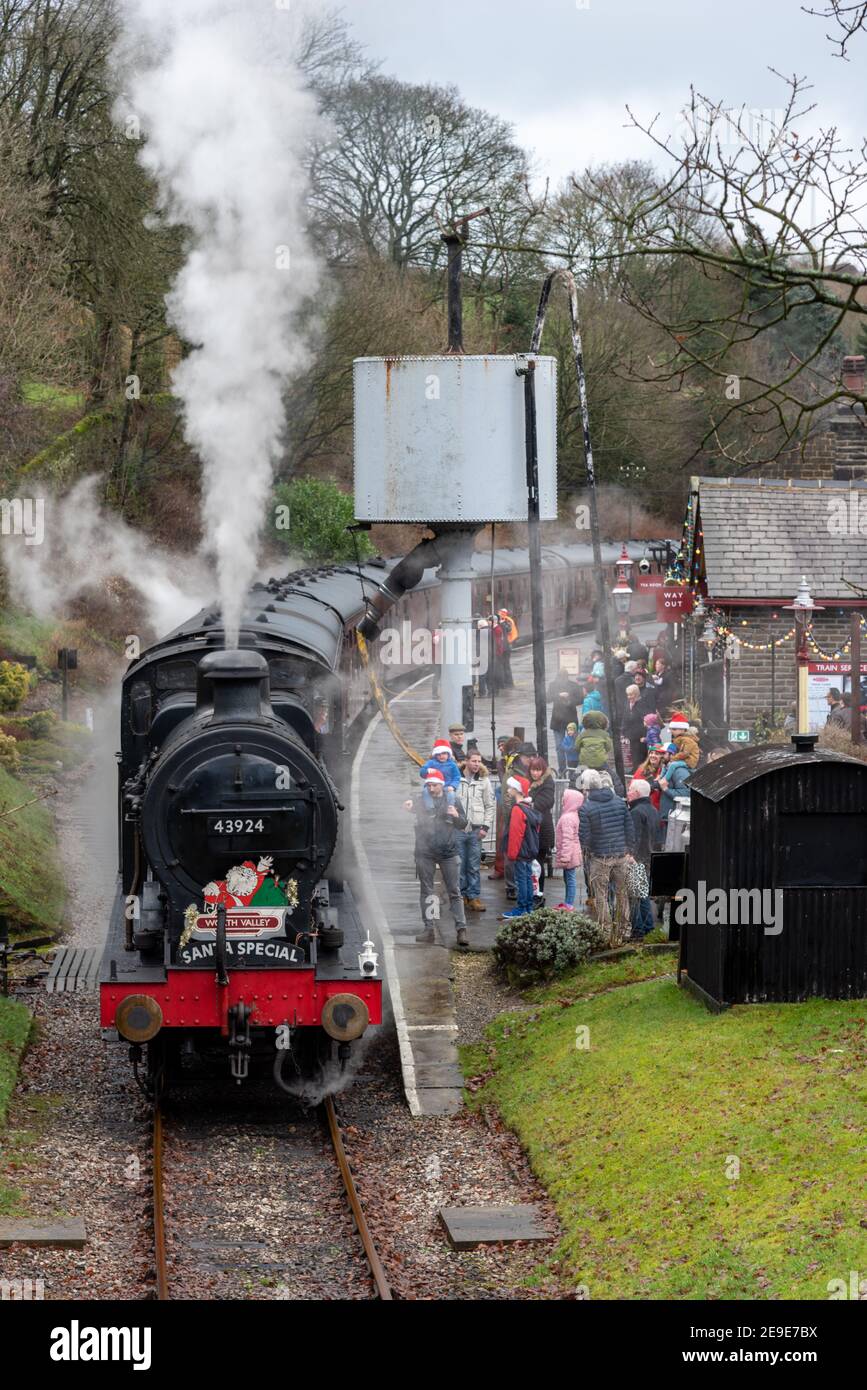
673,603
241,953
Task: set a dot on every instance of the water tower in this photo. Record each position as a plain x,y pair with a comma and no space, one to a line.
453,442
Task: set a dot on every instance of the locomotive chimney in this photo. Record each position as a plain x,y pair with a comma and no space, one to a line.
236,683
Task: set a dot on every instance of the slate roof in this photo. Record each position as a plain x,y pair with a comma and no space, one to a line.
762,534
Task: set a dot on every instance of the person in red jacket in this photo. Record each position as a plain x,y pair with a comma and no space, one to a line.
523,844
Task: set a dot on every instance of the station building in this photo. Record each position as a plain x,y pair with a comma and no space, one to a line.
748,541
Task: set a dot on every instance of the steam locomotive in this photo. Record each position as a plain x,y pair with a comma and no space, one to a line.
234,933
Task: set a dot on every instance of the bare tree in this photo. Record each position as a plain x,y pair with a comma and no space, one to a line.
774,220
401,160
327,53
848,20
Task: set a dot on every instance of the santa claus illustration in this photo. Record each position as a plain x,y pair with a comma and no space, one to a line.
240,886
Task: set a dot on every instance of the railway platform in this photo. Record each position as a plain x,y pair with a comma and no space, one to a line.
419,977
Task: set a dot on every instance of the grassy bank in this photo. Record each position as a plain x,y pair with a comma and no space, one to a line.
689,1155
14,1032
31,883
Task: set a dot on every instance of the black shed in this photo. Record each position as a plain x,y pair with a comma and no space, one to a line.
790,821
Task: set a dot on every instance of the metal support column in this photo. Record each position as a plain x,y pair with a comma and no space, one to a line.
456,624
537,602
601,596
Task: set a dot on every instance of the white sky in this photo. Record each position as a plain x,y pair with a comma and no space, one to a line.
563,74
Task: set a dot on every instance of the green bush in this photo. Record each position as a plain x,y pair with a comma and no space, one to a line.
545,943
14,684
10,758
309,516
42,723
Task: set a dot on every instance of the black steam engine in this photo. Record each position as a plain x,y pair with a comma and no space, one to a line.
229,936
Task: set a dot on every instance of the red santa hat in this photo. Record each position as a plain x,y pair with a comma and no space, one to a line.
441,745
519,784
432,777
679,722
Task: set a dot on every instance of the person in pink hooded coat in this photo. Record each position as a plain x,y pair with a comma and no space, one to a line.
568,845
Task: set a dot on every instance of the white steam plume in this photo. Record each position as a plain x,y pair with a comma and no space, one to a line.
226,118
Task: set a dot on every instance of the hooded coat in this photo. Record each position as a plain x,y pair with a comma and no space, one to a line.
477,794
677,776
568,838
594,745
687,748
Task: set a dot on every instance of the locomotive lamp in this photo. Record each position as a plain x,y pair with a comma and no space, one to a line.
138,1018
368,958
345,1017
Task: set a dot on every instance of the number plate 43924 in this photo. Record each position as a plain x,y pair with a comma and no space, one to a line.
239,825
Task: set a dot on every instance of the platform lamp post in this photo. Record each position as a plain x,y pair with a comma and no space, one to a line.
622,591
803,609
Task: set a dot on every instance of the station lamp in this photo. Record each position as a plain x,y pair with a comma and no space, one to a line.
622,591
803,609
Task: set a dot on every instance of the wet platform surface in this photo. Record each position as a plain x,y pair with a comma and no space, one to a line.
420,976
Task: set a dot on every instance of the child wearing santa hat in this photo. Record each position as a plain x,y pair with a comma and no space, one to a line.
441,759
523,844
685,739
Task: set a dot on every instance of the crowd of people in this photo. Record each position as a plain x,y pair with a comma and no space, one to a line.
605,831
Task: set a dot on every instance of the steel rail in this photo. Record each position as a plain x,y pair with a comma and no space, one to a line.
159,1209
380,1279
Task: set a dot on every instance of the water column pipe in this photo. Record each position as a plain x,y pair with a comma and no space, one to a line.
457,632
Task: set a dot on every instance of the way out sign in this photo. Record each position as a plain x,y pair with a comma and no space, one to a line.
673,603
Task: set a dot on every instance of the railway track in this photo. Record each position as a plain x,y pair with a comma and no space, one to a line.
327,1115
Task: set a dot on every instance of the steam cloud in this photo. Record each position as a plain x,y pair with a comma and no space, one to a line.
85,546
226,119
